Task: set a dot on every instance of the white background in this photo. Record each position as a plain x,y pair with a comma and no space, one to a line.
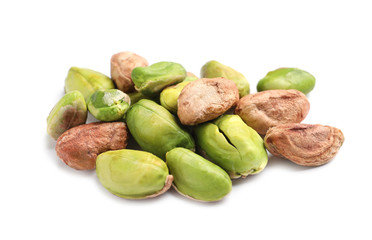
42,198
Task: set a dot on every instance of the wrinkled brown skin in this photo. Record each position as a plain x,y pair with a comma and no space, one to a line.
272,107
79,147
122,65
206,99
304,144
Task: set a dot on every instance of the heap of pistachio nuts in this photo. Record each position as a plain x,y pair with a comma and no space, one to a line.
171,113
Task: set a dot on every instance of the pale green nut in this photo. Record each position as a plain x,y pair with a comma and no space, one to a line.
70,111
155,129
150,80
169,95
108,105
287,78
86,81
133,174
232,145
136,96
197,178
214,69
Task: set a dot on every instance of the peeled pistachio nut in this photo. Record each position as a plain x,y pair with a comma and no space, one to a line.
122,65
86,81
232,145
214,69
169,95
206,99
70,111
287,78
152,79
108,105
155,129
79,147
272,107
196,177
304,144
133,174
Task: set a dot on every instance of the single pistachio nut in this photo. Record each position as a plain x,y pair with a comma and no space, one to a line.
287,78
197,178
152,79
214,69
122,64
232,145
70,111
206,99
133,174
304,144
155,129
108,105
79,146
271,108
86,81
169,95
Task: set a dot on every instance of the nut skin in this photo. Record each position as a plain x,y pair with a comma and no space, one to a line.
122,64
155,129
70,111
214,69
287,78
86,81
206,99
196,177
79,147
232,145
108,105
151,80
271,108
304,144
133,174
169,95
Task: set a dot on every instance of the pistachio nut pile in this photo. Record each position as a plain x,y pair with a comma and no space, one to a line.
195,134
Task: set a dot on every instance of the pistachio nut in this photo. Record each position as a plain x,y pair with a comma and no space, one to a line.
197,178
152,79
232,145
133,174
122,64
69,112
287,78
214,69
86,81
169,95
304,144
108,105
155,129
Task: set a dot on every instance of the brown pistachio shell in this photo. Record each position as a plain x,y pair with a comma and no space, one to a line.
206,99
122,65
304,144
272,107
79,147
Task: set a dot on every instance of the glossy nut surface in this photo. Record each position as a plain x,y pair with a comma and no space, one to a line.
196,177
214,69
231,144
287,78
86,81
151,80
155,129
108,105
133,174
70,111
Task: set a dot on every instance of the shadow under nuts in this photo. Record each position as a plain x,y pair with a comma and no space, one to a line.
79,147
272,107
304,144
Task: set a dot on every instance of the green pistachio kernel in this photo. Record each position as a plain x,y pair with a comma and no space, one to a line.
196,177
287,78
